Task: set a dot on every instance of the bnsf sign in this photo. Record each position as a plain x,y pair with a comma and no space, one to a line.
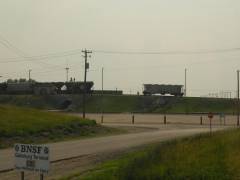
31,149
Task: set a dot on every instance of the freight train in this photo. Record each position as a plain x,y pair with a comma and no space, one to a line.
51,88
45,88
163,89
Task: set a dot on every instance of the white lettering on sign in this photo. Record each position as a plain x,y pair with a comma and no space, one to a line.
32,157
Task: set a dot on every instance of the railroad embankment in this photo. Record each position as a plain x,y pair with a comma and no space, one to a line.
124,103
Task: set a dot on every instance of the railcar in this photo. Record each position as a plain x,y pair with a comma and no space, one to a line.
108,92
45,88
163,89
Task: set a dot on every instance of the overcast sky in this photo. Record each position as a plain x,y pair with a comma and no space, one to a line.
33,28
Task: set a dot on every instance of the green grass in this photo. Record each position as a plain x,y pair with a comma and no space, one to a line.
199,157
40,102
119,104
113,104
153,104
195,105
31,125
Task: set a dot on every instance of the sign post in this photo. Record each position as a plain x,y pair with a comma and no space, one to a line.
210,116
41,176
222,118
33,158
22,175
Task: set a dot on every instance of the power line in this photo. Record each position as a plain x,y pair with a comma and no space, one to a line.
43,72
29,58
209,51
40,57
15,49
19,52
11,47
77,51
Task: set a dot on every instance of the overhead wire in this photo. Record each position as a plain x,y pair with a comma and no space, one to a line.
206,51
20,53
24,58
78,51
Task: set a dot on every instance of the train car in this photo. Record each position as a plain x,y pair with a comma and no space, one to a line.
3,87
73,87
19,88
108,92
45,88
163,89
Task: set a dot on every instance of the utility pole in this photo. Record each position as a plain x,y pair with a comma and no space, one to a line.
102,79
86,67
102,96
29,75
185,86
67,69
238,107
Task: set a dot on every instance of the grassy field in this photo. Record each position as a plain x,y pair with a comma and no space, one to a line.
194,105
200,157
156,104
39,102
28,125
119,104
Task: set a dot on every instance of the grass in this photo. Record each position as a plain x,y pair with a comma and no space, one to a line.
194,105
40,102
125,103
116,104
30,125
154,104
198,157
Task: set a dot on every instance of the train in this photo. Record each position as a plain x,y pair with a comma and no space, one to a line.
163,89
52,88
45,88
72,87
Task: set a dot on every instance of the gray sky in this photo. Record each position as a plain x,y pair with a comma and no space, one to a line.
33,28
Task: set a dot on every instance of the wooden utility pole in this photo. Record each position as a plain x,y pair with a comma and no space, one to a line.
102,79
86,67
29,75
102,95
67,70
238,107
185,88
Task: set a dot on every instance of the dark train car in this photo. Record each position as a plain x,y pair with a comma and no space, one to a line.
163,89
3,87
20,88
45,88
73,87
108,92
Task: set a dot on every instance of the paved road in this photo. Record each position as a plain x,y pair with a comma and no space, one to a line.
64,150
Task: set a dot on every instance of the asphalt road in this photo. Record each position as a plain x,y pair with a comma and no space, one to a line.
62,151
